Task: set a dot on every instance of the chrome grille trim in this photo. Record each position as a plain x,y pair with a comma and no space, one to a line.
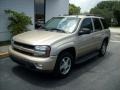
22,48
23,45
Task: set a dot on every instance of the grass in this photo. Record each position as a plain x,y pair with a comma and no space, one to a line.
3,43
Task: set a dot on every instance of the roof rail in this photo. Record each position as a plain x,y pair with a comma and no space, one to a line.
89,14
85,15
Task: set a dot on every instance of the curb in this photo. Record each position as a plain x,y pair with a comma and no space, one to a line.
4,54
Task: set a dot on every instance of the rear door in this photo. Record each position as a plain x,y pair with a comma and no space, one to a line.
98,33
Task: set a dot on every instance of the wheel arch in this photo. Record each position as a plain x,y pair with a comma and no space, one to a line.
106,39
70,50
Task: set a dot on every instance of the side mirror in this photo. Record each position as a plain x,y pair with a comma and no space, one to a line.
84,31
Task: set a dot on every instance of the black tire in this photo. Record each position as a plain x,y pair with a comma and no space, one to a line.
103,48
57,70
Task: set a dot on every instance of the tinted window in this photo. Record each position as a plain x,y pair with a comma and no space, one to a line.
105,25
87,23
97,24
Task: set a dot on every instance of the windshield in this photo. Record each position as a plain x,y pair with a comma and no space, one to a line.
64,24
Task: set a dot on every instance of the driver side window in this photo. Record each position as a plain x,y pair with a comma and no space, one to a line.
87,24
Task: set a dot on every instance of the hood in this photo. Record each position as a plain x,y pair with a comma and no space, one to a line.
40,37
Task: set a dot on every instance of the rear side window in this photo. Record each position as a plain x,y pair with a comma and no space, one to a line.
97,24
105,25
87,23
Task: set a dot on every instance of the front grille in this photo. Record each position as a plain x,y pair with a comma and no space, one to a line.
23,48
23,45
23,52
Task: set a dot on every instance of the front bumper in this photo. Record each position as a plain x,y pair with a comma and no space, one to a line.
46,64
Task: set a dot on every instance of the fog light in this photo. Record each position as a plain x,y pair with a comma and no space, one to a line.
39,66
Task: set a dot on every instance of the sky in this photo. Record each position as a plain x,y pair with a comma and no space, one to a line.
85,5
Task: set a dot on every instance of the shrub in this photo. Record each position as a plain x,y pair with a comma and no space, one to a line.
18,22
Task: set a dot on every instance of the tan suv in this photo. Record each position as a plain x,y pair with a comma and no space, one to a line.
62,42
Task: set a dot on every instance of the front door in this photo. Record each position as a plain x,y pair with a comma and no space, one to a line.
85,41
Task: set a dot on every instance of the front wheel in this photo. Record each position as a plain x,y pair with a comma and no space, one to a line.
64,64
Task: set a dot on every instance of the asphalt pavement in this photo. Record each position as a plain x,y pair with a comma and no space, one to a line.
99,73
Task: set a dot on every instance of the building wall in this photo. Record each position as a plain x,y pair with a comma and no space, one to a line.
26,6
52,8
56,8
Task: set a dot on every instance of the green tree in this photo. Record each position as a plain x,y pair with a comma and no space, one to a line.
116,11
117,16
74,10
108,10
103,13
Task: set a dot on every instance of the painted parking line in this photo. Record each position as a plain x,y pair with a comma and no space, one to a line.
115,41
4,54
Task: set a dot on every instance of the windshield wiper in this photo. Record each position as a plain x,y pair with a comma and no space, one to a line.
58,30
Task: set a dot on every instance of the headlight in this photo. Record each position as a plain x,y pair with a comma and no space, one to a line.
42,51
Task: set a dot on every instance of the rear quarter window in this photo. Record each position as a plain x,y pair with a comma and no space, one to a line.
97,24
105,25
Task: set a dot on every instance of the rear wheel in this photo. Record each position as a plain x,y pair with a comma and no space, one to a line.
103,49
63,65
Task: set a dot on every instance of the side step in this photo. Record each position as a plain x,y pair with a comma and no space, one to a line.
86,57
